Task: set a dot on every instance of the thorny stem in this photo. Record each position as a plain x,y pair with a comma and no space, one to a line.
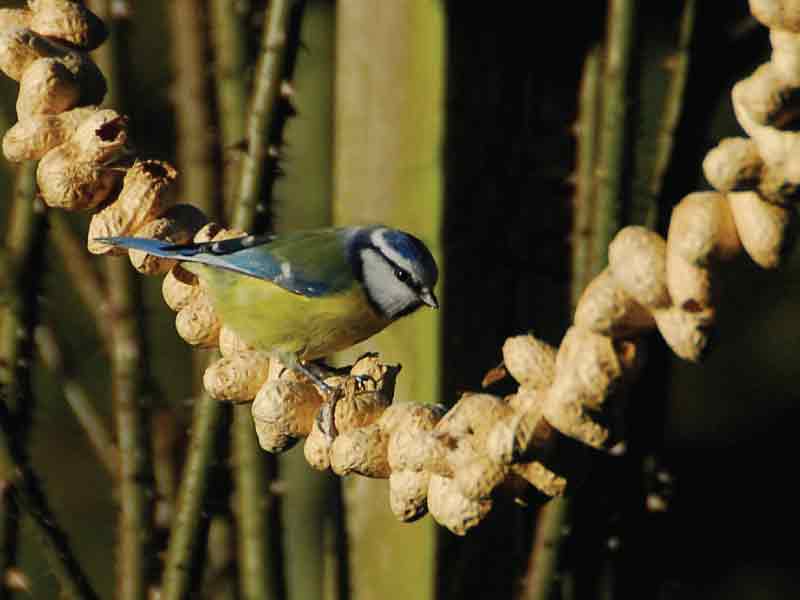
678,69
603,158
251,478
262,109
181,567
194,128
613,135
230,65
583,205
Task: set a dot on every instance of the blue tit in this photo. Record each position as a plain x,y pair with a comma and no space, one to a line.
305,295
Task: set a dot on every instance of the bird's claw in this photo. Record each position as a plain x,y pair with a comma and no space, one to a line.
327,412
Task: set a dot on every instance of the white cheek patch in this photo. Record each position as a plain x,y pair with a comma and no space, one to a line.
391,295
378,239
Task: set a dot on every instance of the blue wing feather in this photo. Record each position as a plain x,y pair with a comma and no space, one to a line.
310,263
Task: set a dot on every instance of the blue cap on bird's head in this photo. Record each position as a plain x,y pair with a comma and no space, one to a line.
397,270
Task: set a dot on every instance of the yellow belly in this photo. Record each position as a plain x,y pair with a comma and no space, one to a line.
271,319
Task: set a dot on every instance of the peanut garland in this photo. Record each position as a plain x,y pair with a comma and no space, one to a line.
569,399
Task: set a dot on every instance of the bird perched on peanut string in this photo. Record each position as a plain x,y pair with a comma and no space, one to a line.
302,296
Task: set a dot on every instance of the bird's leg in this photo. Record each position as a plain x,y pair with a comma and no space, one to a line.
325,416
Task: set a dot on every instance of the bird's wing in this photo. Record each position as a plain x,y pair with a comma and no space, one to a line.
310,263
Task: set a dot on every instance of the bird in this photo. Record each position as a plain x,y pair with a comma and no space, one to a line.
301,296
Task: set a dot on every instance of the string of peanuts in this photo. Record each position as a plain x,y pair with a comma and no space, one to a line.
448,462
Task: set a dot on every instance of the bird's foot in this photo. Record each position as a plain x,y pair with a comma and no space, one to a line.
327,412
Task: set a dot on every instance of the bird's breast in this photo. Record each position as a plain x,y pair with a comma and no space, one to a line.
271,318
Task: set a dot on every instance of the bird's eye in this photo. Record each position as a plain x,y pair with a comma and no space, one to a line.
401,275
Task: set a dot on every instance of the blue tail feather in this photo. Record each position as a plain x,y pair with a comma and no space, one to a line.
154,247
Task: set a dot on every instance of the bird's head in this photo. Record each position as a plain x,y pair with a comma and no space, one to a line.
396,269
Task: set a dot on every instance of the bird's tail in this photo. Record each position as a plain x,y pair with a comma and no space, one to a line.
154,247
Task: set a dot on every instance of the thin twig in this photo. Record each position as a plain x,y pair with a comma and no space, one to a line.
28,493
78,399
19,314
82,274
24,244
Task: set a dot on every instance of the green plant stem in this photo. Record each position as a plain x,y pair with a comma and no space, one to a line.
266,88
135,481
583,205
23,244
82,274
678,70
194,128
78,399
18,316
301,199
28,493
250,475
598,217
228,37
181,568
614,133
135,467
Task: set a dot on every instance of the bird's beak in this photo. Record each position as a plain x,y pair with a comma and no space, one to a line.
428,298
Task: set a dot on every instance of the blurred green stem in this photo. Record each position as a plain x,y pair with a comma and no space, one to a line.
266,88
256,565
301,199
194,127
28,493
677,69
181,569
598,215
75,259
78,399
135,553
228,38
23,244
